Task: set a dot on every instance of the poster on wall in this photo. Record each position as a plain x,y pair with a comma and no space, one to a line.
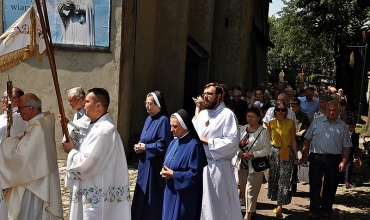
74,24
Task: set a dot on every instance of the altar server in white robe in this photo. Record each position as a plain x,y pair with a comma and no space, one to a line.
29,167
78,127
98,176
217,128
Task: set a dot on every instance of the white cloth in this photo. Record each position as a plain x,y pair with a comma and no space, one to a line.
270,115
14,39
29,170
3,210
27,201
79,127
80,25
98,175
19,126
220,196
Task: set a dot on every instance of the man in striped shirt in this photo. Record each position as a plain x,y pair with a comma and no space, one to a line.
329,144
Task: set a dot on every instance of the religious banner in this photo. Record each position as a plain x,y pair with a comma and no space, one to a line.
74,24
21,41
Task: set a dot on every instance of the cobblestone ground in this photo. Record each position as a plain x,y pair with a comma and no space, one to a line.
349,203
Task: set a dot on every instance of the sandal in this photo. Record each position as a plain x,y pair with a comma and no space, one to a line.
279,213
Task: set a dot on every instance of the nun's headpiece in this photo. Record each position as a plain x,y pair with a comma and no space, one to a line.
185,122
159,100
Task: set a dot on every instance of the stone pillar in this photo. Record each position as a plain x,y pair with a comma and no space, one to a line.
232,28
170,51
125,85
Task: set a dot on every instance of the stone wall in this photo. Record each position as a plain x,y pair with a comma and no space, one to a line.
75,68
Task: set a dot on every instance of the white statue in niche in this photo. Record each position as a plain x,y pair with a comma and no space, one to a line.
281,76
78,26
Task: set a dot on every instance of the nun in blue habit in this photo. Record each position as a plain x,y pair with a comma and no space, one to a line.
154,140
182,171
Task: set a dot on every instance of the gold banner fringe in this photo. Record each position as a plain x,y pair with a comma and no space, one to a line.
14,58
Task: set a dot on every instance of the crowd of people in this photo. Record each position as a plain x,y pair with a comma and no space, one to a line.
201,167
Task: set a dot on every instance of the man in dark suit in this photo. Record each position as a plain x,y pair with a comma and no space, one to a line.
353,153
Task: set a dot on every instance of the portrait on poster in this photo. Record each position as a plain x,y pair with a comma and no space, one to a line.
73,23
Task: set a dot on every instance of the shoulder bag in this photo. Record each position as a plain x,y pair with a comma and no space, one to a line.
260,164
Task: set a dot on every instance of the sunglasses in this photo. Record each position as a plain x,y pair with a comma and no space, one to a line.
280,109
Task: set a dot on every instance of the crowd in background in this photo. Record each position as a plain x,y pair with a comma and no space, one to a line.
287,112
201,167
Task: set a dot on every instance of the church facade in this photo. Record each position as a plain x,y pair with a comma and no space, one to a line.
172,46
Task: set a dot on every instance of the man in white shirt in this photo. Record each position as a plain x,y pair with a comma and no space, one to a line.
77,128
97,172
217,128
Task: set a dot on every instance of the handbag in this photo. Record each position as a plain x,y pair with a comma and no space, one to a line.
357,164
303,173
260,164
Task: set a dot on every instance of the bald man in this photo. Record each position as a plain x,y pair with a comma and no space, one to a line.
29,167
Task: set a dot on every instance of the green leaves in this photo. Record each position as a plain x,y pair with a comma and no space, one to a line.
309,32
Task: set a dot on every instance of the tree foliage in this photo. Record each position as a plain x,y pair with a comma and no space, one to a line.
314,34
295,48
333,19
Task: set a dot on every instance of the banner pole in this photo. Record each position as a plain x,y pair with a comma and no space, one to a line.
50,52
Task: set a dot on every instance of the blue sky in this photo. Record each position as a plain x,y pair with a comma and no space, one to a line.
275,6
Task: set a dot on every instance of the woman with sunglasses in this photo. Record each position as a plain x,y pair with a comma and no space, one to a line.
254,142
282,157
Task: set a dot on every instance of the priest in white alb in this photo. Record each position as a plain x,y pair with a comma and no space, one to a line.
29,167
97,171
217,128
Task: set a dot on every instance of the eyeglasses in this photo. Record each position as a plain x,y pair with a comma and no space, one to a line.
280,109
208,94
148,103
27,106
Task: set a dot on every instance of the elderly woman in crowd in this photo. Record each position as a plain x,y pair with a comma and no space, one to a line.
154,140
183,170
341,94
254,142
282,157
